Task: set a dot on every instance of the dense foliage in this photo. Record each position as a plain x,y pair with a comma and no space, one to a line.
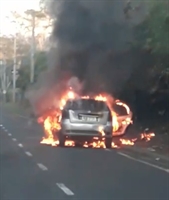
153,33
23,80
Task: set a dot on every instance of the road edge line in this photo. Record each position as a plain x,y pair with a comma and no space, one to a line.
147,152
143,162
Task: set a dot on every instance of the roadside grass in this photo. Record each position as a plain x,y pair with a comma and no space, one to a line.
15,108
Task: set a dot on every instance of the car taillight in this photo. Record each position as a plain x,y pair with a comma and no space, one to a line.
65,115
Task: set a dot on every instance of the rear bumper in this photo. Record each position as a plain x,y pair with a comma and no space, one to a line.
86,130
72,134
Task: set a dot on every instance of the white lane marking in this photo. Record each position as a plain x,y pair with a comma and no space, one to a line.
0,125
65,189
9,134
42,167
144,162
14,139
20,145
107,150
22,116
28,153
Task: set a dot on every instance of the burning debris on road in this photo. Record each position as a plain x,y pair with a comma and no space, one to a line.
51,122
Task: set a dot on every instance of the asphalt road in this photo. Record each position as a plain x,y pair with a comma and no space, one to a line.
29,170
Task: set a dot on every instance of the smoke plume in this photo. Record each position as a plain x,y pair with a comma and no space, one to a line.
91,41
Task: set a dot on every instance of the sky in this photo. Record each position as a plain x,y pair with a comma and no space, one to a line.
6,6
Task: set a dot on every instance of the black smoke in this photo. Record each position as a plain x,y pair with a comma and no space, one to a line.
93,40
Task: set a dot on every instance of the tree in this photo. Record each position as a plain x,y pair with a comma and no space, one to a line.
40,63
153,33
36,22
153,36
7,46
7,55
23,80
158,23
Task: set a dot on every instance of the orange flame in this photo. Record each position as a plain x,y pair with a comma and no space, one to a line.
147,136
51,123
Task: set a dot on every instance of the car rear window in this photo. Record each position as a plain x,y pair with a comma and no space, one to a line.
86,104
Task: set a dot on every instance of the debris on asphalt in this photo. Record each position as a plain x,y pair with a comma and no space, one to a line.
151,149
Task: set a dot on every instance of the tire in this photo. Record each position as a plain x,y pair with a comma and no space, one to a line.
108,142
55,135
127,130
61,138
78,144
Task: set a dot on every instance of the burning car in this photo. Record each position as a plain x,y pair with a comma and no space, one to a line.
86,120
51,120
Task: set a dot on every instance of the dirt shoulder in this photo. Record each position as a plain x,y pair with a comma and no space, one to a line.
158,146
16,109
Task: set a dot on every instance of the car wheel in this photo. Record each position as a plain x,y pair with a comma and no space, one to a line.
127,129
108,142
78,144
61,138
55,135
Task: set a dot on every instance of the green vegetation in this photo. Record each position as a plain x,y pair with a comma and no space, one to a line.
153,33
158,26
152,38
23,80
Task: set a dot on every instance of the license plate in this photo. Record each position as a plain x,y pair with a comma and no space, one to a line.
89,119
